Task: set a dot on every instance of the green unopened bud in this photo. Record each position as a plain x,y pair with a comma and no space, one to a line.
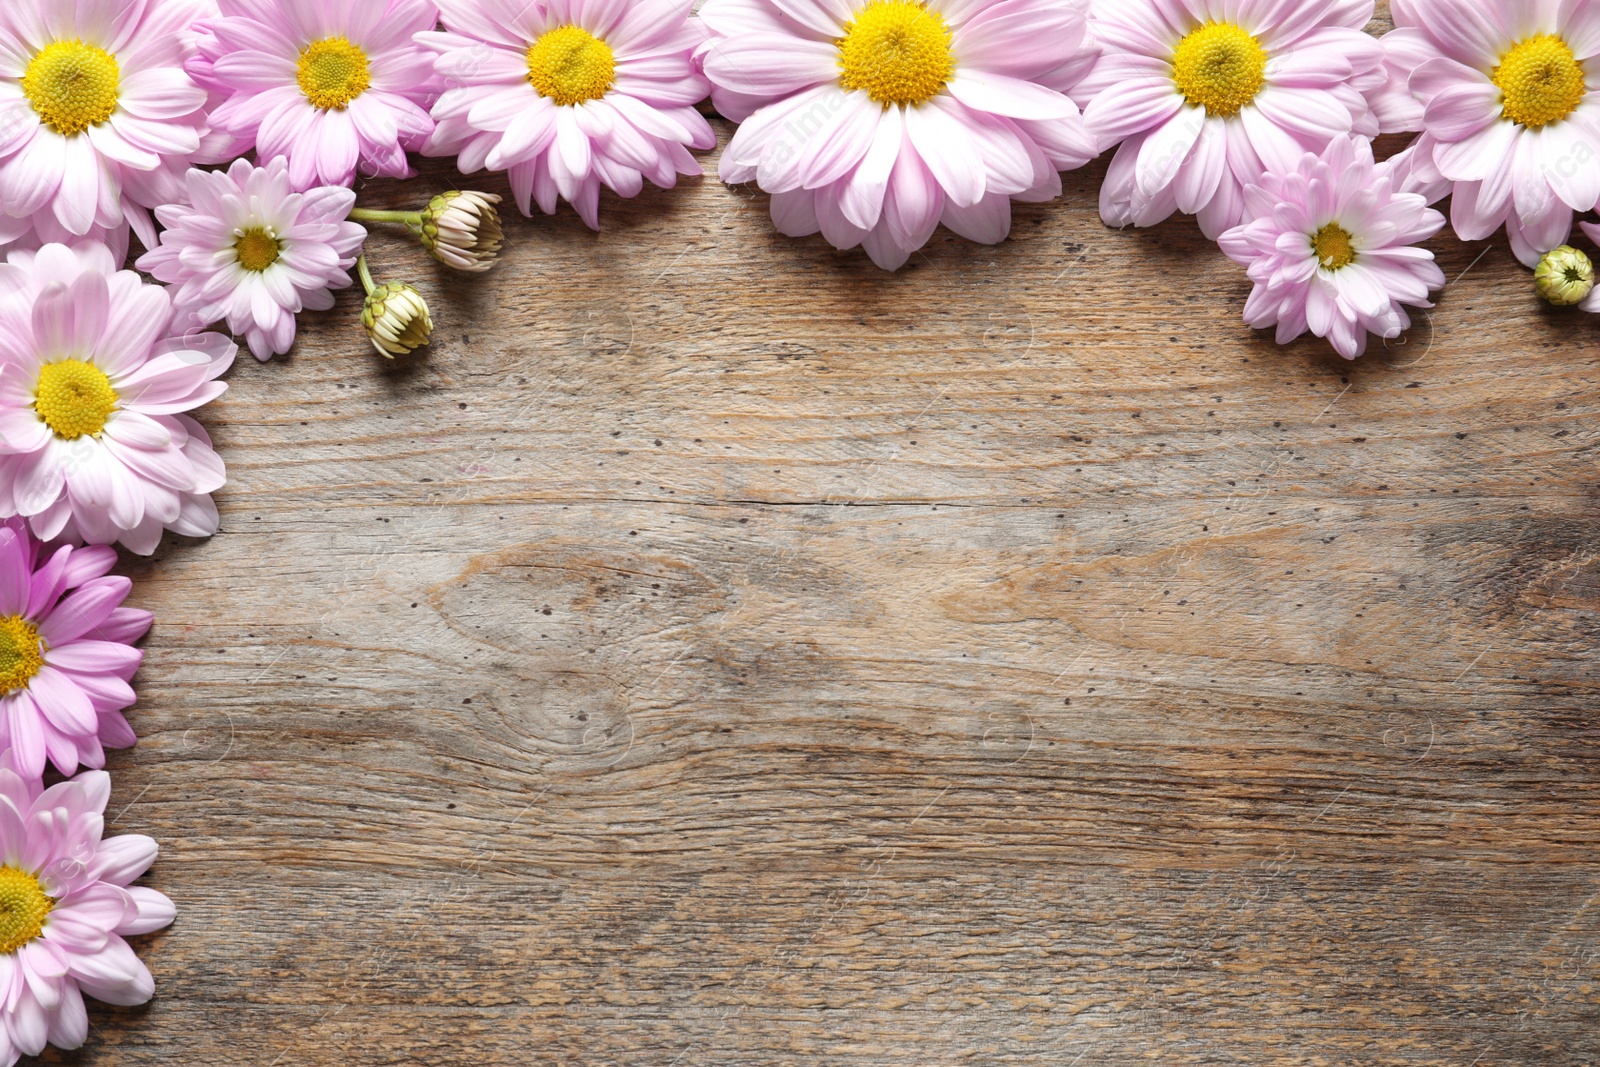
396,319
462,230
1564,276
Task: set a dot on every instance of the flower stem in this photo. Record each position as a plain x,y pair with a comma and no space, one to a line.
366,274
408,218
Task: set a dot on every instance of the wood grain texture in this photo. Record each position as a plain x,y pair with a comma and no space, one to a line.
714,650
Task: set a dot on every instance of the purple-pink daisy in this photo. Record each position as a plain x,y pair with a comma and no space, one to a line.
95,384
66,653
873,121
1204,96
1331,246
336,87
570,96
245,250
1507,96
69,903
97,114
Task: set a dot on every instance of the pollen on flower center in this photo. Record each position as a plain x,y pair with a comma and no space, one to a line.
1334,247
1540,81
72,86
570,65
1219,67
74,398
333,72
257,248
23,908
898,51
21,653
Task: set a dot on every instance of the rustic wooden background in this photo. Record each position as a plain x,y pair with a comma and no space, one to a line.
714,650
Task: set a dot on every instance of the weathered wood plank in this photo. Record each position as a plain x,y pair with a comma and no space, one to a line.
714,650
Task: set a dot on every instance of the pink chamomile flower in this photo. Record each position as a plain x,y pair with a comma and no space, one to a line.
570,95
337,87
66,653
1507,96
95,444
245,250
873,121
69,902
1331,246
96,111
1205,95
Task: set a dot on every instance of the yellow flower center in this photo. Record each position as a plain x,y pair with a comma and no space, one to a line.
570,65
74,398
1219,67
21,653
72,86
1333,247
23,907
1540,81
333,72
898,51
257,248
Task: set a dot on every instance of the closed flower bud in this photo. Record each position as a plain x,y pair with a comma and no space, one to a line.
396,319
462,230
1564,276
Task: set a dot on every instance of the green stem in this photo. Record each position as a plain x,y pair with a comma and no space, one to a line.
407,218
366,275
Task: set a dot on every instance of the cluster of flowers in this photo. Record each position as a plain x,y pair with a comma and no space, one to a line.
871,122
874,121
108,110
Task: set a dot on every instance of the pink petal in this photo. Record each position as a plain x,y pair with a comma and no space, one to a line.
155,911
1462,110
1000,94
94,657
947,150
84,610
1167,149
121,859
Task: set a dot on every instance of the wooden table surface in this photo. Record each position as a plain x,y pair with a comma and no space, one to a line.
715,650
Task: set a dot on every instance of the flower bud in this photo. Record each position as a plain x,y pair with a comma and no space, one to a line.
1564,276
462,230
396,319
